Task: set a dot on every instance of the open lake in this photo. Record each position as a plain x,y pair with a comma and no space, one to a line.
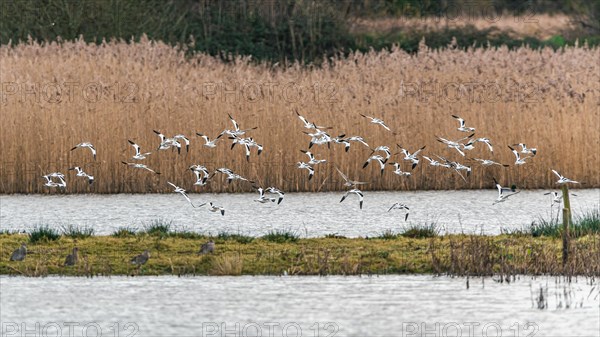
299,306
308,214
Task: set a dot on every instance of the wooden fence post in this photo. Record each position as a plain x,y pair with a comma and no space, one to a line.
566,224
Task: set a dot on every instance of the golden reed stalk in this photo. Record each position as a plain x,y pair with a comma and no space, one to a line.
57,95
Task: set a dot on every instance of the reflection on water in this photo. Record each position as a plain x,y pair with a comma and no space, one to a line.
309,214
316,306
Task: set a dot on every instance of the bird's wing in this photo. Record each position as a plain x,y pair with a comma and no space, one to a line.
557,174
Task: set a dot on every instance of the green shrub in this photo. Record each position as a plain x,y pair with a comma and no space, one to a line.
43,233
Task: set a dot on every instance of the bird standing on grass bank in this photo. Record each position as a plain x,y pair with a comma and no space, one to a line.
72,259
19,254
207,248
141,259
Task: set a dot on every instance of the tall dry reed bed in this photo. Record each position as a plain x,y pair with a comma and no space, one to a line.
57,95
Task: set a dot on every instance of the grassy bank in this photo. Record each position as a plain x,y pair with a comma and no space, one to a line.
280,253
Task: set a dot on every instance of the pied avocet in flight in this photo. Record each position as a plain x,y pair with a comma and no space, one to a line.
518,159
563,180
312,160
400,207
274,190
462,126
140,166
88,145
208,142
502,196
138,155
526,150
80,173
182,192
412,157
398,170
377,158
377,121
311,170
357,192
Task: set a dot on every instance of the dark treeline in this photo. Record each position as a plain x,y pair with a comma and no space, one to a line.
276,30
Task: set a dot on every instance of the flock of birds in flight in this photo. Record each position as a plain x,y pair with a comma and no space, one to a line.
318,136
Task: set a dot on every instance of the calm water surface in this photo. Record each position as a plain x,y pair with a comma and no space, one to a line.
308,214
291,306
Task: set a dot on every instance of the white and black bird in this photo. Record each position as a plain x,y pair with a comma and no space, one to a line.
167,143
309,125
88,145
140,166
262,198
312,159
402,207
563,180
378,159
358,139
526,150
237,131
503,192
385,149
412,157
557,197
487,142
357,192
138,155
81,173
185,139
182,192
209,142
279,193
454,144
518,159
51,183
201,173
303,165
488,162
433,162
343,141
398,170
462,126
377,121
214,208
231,176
